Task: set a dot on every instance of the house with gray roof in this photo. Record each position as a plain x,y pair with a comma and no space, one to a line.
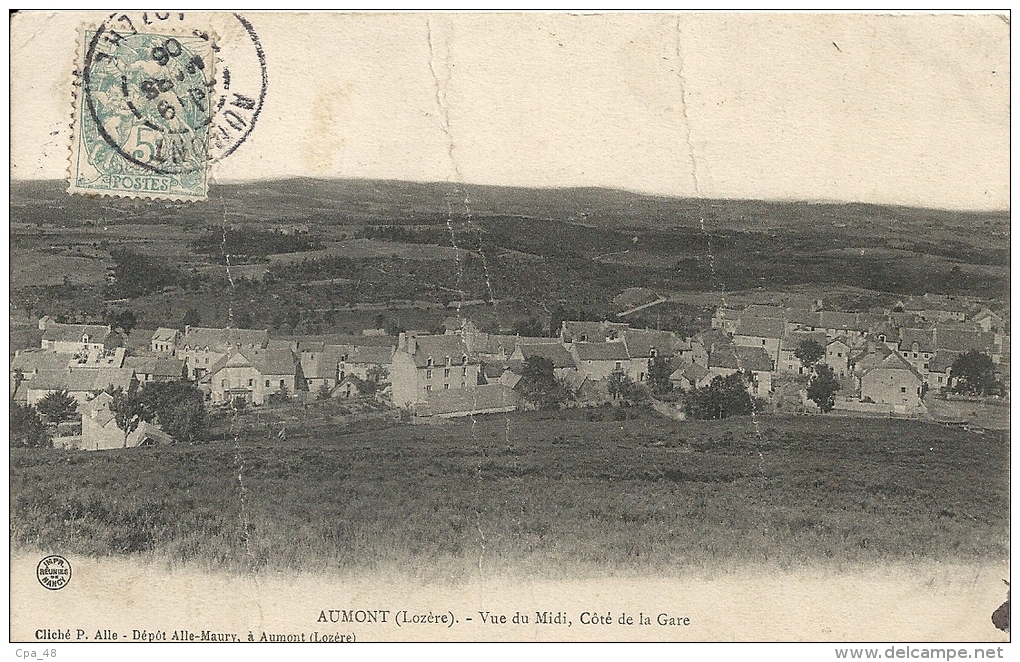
155,368
164,340
892,381
599,360
80,338
203,347
80,383
765,333
423,364
561,359
688,375
935,307
251,375
368,362
591,332
750,360
788,362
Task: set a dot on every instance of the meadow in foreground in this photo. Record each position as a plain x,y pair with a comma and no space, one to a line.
530,494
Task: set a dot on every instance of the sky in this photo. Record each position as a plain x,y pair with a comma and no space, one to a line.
908,109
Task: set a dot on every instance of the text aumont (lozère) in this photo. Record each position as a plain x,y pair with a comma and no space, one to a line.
404,617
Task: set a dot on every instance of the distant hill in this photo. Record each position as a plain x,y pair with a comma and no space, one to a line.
359,201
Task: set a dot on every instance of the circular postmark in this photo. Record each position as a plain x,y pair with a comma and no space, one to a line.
53,572
171,92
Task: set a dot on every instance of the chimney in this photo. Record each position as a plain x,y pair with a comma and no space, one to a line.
187,329
401,340
412,345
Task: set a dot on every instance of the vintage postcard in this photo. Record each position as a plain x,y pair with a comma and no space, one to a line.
510,327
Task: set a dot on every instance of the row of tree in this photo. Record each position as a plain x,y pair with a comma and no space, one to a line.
177,407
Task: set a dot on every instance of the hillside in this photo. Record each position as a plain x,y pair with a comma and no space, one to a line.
534,250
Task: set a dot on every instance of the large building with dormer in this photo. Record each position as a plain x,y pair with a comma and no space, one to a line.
425,364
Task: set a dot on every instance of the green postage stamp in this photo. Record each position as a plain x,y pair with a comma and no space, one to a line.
143,113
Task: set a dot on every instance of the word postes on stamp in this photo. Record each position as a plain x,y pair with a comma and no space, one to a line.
164,143
143,114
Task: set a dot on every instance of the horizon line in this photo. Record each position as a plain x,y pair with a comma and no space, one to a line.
809,201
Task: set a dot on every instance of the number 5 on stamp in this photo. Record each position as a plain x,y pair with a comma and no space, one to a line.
143,114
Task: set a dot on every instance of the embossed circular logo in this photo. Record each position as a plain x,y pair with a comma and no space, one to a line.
53,572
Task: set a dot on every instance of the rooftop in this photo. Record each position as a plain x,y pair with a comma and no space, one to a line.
601,351
740,358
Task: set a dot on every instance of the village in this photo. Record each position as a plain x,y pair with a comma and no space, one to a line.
886,362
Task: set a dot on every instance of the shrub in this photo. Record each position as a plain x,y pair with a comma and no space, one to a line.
823,387
27,428
58,406
723,397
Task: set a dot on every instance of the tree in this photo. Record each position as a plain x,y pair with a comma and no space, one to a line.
539,385
974,374
136,274
378,374
324,393
177,407
19,377
243,319
658,375
124,320
58,406
822,388
617,384
809,352
27,428
128,411
530,327
191,318
280,397
721,398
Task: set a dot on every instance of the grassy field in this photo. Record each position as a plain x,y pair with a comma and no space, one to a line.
531,495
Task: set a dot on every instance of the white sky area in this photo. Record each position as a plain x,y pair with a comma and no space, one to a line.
909,110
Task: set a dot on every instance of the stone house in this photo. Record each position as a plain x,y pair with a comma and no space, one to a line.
320,364
562,361
164,340
788,362
892,381
591,332
688,376
939,374
155,368
762,332
422,364
837,356
599,360
644,346
80,338
752,360
201,348
80,383
851,327
988,320
99,430
935,308
367,361
251,375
